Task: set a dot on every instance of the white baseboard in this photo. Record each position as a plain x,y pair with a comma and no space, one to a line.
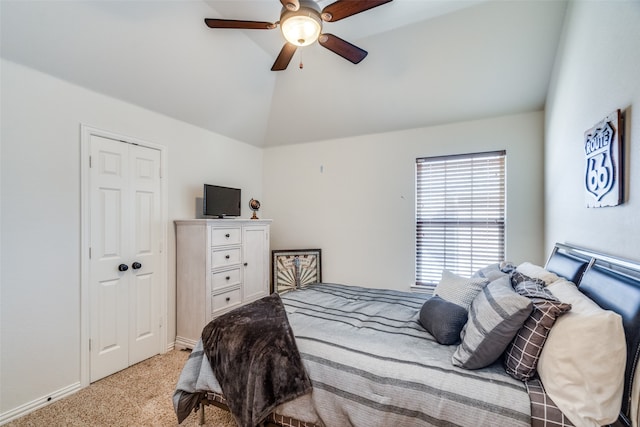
39,403
182,343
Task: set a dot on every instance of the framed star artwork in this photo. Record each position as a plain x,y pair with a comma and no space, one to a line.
295,268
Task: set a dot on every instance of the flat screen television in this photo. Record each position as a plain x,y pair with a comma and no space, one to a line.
220,201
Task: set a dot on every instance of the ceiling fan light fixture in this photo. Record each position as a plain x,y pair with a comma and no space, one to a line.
301,28
301,25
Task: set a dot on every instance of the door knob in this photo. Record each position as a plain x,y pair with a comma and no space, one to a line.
123,267
136,265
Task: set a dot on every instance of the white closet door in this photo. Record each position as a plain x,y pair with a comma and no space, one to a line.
256,262
144,282
125,230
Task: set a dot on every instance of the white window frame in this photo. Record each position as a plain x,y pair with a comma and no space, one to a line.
460,214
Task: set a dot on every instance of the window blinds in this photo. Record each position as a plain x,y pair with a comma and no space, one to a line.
460,214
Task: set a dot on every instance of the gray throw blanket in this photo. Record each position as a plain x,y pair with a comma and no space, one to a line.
188,395
254,356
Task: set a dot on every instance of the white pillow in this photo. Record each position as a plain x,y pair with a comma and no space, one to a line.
635,397
537,272
459,290
583,360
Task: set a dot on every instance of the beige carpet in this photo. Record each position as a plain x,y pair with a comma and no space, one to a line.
137,396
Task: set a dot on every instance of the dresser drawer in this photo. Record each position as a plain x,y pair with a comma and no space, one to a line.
226,236
225,301
222,279
225,257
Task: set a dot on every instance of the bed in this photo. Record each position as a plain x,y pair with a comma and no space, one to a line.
371,361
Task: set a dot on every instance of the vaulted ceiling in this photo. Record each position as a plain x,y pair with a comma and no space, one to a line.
430,62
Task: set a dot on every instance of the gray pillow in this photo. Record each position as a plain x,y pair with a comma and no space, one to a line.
443,319
495,316
459,290
494,271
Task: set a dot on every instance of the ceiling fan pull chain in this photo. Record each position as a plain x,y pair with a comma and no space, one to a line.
301,64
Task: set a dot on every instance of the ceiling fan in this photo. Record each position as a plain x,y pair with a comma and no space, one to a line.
301,24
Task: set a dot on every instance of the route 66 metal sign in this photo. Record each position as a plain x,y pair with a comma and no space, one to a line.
603,151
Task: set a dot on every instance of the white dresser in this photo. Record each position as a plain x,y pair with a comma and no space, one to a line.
221,264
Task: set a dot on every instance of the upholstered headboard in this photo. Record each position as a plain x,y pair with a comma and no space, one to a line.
566,265
618,292
614,284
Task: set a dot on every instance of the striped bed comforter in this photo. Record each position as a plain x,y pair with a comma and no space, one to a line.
372,364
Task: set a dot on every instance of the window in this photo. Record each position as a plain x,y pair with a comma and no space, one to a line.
460,214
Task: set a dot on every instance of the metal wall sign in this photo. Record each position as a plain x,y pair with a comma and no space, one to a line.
603,154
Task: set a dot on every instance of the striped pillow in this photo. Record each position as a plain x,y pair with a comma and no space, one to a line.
493,271
495,316
521,357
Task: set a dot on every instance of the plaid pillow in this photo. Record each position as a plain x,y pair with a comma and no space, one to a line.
544,411
521,357
517,278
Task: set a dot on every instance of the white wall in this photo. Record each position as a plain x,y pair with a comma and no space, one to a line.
354,197
598,71
40,177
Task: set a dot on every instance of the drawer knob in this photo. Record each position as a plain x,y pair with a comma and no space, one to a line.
246,263
228,278
227,235
228,299
227,256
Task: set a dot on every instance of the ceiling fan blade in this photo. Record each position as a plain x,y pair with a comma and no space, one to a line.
344,8
291,5
243,25
343,48
283,59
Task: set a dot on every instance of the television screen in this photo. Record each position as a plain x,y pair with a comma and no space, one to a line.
220,201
